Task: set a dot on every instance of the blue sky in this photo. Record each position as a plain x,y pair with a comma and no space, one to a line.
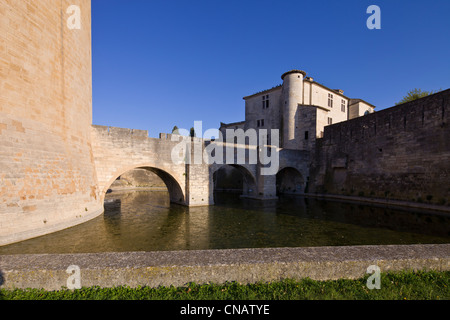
160,63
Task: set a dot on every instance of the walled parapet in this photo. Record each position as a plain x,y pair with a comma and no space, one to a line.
165,136
139,133
400,153
428,112
120,132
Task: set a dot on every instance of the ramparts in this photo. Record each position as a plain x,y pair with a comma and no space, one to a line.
401,153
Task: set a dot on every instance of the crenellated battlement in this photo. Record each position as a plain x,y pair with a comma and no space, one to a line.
124,132
399,153
430,111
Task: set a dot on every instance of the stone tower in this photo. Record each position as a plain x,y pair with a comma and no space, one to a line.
47,175
292,97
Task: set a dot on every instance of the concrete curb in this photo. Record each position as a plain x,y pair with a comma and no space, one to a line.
177,268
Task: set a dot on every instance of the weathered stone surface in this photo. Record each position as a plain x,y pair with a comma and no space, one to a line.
217,266
400,153
47,176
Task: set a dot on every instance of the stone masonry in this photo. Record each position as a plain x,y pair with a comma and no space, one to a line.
401,153
119,150
47,176
56,167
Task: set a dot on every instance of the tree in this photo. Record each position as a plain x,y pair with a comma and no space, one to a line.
175,130
414,95
192,132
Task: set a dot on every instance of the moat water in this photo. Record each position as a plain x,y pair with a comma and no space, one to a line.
146,221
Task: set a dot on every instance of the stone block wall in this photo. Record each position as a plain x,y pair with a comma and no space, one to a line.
199,186
119,150
47,176
401,153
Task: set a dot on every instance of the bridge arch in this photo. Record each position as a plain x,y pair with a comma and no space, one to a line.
249,186
290,180
174,188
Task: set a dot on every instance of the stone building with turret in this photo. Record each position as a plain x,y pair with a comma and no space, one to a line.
299,108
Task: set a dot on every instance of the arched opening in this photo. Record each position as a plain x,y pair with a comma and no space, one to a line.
290,181
228,179
151,178
138,208
138,178
234,179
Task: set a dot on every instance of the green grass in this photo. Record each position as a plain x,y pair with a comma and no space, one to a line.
420,285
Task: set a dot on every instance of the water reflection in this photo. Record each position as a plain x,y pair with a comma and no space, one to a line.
146,221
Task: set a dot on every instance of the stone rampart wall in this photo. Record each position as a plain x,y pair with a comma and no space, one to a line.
401,152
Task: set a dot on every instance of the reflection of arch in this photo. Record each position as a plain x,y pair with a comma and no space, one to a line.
247,182
290,181
173,186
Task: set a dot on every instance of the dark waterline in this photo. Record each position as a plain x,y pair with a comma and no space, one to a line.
146,221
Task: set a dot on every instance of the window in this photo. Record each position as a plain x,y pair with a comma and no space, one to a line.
330,100
265,102
343,105
330,121
260,123
306,135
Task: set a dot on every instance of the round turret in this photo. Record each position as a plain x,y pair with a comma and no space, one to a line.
293,72
293,96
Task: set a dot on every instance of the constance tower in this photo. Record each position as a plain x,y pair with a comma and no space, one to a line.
47,175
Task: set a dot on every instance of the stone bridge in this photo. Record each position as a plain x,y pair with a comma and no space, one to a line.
190,183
